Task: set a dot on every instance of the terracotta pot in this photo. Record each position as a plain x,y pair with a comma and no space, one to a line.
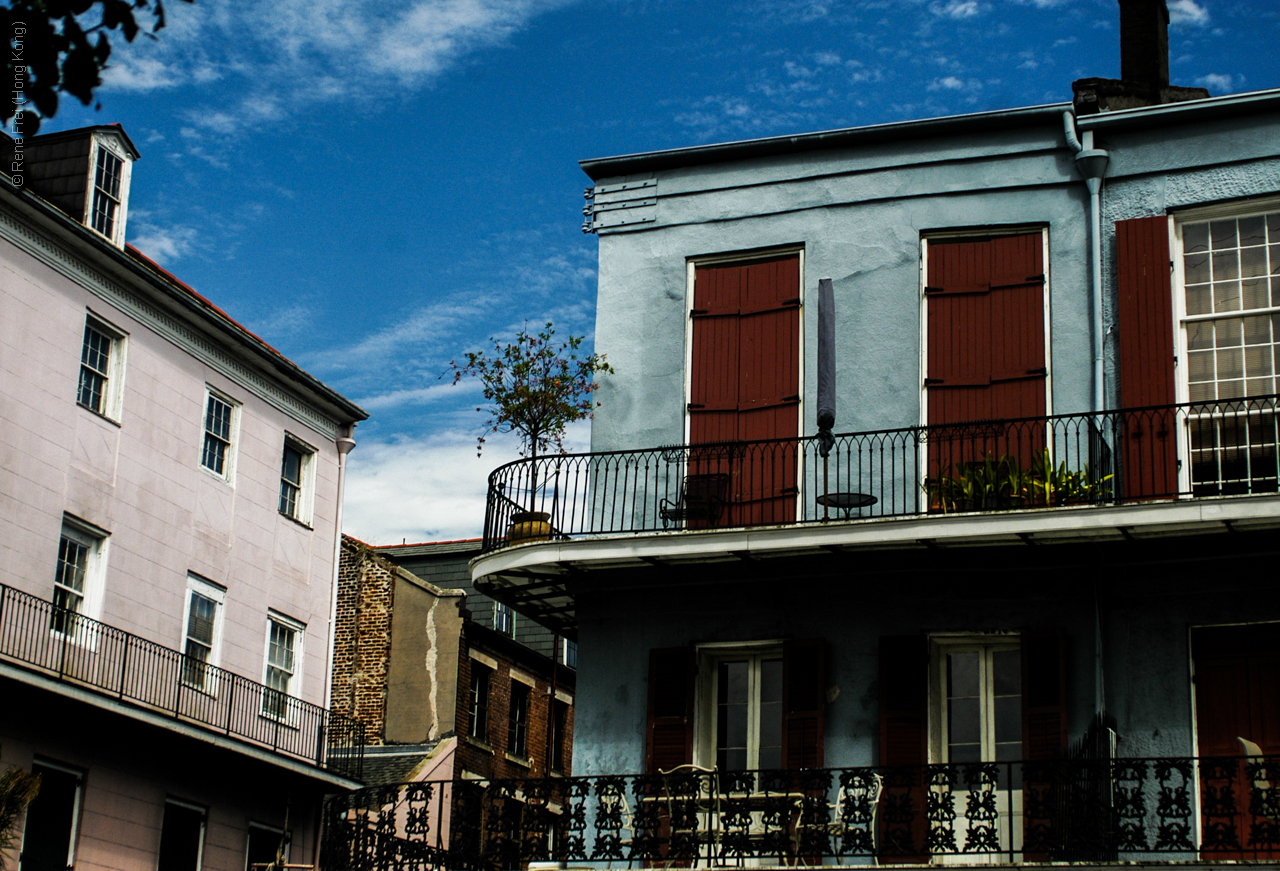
529,526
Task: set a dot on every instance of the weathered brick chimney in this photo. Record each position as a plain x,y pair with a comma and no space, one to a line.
1144,65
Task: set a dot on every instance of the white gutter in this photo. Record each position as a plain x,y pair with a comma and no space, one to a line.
1092,163
344,443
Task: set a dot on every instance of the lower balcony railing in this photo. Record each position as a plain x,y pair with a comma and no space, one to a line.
1082,811
59,643
1217,448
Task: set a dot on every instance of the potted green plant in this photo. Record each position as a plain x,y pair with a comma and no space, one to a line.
535,386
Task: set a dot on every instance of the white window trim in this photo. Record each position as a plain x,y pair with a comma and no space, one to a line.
499,607
218,593
273,830
204,823
705,693
939,646
98,541
107,142
1181,384
77,803
295,680
229,464
113,397
307,479
691,272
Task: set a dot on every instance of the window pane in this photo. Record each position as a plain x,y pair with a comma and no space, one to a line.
1199,335
1195,237
1226,296
180,839
73,558
200,618
50,818
291,469
964,724
1196,268
962,673
1008,710
731,719
1254,292
770,726
1253,231
1223,233
1008,672
1253,261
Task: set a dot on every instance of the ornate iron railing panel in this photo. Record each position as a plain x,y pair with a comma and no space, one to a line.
1061,810
74,649
1162,452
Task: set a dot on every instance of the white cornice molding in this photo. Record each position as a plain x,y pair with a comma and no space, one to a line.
28,238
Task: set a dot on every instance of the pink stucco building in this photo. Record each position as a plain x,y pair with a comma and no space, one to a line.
170,504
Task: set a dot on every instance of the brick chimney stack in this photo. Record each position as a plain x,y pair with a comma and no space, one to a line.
1144,65
1144,42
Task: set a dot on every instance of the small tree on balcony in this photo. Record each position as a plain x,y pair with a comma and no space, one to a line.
535,386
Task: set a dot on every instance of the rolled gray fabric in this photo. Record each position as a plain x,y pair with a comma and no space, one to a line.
826,355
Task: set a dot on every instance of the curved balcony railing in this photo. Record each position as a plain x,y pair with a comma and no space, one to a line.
1055,810
61,644
1109,457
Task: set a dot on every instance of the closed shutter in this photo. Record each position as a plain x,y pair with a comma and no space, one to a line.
670,722
1044,696
745,383
904,723
1149,453
985,346
803,703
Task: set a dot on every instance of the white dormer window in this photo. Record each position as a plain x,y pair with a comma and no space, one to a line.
106,192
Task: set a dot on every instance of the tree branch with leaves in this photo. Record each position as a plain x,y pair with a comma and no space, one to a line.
535,385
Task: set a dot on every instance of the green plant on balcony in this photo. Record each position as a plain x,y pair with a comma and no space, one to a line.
1001,483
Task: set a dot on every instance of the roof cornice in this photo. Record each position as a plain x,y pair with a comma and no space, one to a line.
1001,119
1177,113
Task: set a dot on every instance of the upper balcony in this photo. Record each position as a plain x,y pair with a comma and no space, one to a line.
1107,475
57,649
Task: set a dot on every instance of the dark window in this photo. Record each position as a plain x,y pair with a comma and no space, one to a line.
504,619
479,702
181,838
292,467
571,653
265,846
518,729
217,434
559,734
47,840
95,362
106,192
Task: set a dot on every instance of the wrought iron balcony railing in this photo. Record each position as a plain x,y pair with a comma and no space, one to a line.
1110,457
59,643
1169,809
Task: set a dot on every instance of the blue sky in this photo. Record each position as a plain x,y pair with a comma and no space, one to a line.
376,186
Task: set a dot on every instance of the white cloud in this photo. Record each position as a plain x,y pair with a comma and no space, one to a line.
162,244
445,390
427,489
1218,83
950,83
292,48
1188,12
956,9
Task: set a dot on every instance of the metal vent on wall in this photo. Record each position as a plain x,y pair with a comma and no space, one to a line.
620,205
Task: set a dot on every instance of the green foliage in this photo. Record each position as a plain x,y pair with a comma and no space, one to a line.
536,386
1002,483
17,789
49,49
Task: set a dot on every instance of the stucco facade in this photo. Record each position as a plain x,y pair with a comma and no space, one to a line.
168,508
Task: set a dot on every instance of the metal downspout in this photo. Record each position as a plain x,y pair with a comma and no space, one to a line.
344,443
1092,163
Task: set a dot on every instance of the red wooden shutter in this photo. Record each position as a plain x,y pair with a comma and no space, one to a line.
904,689
904,728
986,345
803,703
1044,696
745,383
1149,453
670,722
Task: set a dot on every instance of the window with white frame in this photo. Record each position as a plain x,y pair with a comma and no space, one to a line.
201,642
297,474
569,652
740,715
978,699
101,382
50,831
220,419
106,192
266,845
1230,271
284,660
181,837
78,578
504,619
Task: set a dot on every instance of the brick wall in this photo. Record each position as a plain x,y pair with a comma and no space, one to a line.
362,637
492,758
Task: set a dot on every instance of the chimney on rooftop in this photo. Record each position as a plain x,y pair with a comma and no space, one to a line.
1144,65
84,172
1144,42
